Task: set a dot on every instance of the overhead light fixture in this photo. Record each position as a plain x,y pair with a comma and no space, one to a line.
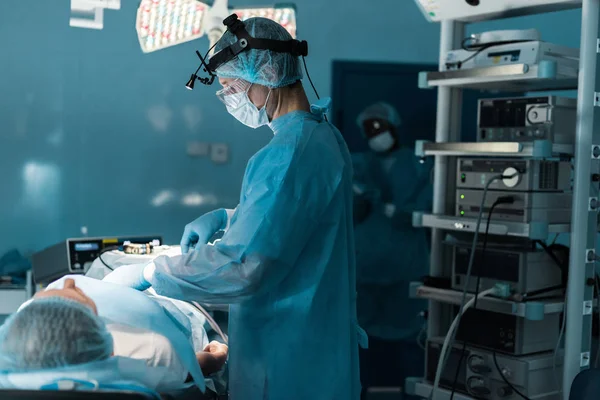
284,16
165,23
90,13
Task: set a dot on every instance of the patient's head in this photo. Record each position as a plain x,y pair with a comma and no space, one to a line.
69,291
58,328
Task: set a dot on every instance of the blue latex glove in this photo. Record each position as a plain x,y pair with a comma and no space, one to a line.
129,275
203,228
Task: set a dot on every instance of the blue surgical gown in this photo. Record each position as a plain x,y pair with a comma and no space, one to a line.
390,253
286,265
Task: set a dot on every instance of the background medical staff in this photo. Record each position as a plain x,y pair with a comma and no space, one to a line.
389,184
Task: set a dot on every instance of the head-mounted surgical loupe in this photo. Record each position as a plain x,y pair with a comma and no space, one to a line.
244,42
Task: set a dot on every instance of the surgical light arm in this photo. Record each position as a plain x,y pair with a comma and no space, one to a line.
90,13
213,23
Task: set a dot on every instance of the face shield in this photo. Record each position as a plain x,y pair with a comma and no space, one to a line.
230,95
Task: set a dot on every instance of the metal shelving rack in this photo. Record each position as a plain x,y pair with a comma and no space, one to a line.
583,227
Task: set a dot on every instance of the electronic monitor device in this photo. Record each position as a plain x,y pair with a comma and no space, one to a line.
550,207
478,376
525,119
526,175
76,255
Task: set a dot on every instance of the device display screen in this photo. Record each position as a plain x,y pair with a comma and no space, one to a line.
86,246
512,56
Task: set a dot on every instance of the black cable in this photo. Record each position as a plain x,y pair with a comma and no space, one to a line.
464,347
478,50
105,250
311,84
468,48
310,80
541,291
510,385
213,46
444,357
563,265
461,62
500,200
514,389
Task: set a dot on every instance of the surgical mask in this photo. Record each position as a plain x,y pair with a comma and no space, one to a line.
382,142
242,109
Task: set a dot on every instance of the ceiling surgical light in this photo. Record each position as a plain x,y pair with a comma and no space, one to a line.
284,16
165,23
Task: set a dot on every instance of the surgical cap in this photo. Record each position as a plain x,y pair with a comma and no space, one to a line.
381,110
263,67
50,333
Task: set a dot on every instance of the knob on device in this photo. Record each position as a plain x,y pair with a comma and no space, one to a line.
514,179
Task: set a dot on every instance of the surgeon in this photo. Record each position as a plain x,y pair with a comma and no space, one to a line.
389,183
285,262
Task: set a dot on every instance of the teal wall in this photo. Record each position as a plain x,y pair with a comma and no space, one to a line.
93,133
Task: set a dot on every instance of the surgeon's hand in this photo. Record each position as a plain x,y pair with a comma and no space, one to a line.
129,275
203,228
213,358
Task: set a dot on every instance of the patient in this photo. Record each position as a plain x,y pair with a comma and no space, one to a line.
65,326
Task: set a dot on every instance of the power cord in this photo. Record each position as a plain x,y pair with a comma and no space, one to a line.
452,333
464,46
564,266
534,293
106,250
477,49
500,200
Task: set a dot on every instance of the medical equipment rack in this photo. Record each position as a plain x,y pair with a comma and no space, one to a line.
586,191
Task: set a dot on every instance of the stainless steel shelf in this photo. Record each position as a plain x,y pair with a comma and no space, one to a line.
535,149
532,310
533,230
505,12
421,388
545,76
